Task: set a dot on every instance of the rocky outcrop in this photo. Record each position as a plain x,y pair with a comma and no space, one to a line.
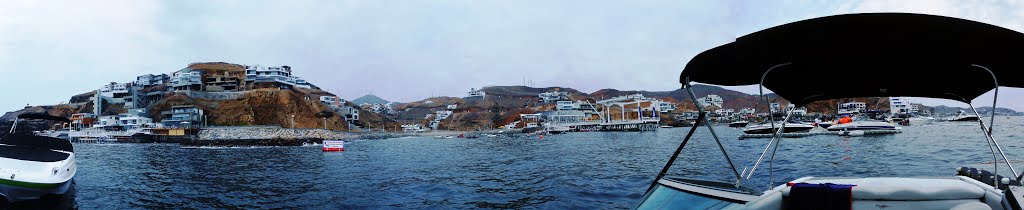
268,132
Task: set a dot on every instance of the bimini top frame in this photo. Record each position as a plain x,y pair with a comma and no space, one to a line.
947,58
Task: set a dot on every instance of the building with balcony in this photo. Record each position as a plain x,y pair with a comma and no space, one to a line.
476,93
664,106
852,108
120,93
711,100
553,96
269,77
223,81
150,80
182,116
82,120
900,105
187,79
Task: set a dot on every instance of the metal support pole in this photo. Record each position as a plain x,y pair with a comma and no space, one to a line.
672,159
14,125
994,142
774,137
992,121
995,97
707,123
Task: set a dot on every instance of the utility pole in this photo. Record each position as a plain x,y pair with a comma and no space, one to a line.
325,123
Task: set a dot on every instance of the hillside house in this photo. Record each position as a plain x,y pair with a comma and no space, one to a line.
187,79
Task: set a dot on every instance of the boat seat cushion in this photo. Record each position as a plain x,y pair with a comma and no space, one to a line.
906,189
919,205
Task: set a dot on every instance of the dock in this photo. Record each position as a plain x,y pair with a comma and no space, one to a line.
834,133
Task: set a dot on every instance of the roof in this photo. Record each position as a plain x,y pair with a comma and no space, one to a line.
868,55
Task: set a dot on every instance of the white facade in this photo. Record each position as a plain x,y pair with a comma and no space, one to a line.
666,106
120,93
852,108
412,128
148,80
474,93
452,106
278,74
746,111
711,100
548,97
566,105
796,111
725,112
186,79
900,105
775,107
133,122
329,100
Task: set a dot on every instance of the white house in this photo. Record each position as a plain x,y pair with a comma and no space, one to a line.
120,93
548,97
725,112
775,107
187,79
666,106
852,108
281,75
899,105
329,100
476,93
711,100
452,106
149,80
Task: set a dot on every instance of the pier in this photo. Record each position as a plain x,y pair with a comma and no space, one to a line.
624,113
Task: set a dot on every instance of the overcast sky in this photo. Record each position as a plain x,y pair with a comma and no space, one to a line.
406,50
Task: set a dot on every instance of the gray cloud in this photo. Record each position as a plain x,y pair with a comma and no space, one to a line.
400,51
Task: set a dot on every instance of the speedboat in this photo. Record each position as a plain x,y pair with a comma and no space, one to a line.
739,124
921,120
962,116
899,45
34,166
862,126
767,128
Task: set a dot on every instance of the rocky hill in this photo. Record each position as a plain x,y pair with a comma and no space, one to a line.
266,107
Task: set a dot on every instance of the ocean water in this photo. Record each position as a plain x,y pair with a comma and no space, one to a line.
592,170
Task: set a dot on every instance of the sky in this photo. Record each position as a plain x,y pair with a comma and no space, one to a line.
408,50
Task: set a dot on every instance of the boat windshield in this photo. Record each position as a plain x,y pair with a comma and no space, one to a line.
664,197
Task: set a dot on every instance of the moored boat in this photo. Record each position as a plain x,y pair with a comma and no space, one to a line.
34,166
862,126
962,116
739,124
768,128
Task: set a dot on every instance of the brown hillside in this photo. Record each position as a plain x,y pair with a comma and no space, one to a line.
261,107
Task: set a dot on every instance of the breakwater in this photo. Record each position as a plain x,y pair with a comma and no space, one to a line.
263,135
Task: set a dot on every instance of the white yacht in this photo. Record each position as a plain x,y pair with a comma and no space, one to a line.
898,45
33,166
768,128
862,125
962,116
921,120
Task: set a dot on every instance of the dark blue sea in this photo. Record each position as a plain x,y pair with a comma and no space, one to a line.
592,170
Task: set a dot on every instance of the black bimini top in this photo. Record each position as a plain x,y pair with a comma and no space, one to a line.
42,116
34,148
868,55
